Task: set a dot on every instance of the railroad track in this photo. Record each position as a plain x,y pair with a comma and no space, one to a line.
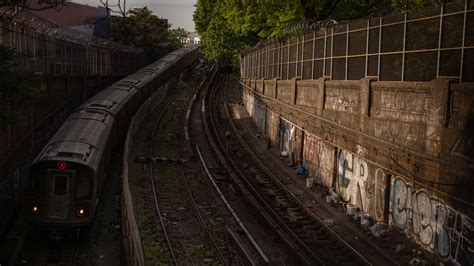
311,240
39,249
188,237
240,246
196,209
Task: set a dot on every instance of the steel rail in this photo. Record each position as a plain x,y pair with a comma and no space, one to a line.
185,183
207,130
152,177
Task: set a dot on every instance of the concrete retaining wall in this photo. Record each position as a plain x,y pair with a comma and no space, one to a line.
400,151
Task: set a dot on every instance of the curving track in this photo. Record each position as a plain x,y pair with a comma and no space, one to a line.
183,228
309,238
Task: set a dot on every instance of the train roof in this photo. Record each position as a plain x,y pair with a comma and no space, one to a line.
110,100
82,138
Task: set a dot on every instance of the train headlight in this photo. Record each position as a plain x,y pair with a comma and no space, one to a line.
35,209
82,209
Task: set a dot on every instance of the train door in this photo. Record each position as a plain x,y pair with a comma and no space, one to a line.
60,187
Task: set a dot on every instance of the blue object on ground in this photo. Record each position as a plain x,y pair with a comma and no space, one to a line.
301,170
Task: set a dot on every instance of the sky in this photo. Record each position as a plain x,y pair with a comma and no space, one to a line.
178,12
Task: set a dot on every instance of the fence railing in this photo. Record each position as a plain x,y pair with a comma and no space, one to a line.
417,45
42,46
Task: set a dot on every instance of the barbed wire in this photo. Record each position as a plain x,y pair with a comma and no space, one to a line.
28,19
305,26
295,29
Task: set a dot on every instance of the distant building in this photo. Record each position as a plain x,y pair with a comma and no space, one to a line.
87,19
192,38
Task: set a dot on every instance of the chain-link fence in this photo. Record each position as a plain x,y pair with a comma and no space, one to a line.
417,45
42,46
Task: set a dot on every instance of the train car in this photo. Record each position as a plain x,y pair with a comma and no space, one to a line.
65,180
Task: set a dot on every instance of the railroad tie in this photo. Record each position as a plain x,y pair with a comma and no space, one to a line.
294,214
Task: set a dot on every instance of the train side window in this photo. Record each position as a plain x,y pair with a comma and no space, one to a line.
60,185
82,186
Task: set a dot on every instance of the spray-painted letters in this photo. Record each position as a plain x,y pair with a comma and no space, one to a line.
361,184
432,223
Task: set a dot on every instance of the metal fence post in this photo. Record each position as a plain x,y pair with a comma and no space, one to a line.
332,51
302,58
268,62
288,60
312,57
439,39
463,40
297,55
347,50
324,52
404,44
380,47
273,61
367,48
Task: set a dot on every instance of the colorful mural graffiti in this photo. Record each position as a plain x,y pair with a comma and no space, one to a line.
361,184
432,223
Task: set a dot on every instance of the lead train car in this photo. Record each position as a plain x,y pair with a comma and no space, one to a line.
65,180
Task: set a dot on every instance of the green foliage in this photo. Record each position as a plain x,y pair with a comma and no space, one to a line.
17,87
226,26
415,3
140,28
219,42
177,35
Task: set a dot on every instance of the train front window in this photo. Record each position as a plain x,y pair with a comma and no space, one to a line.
60,185
82,186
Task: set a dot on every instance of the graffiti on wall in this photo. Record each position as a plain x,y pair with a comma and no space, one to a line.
272,128
287,135
426,219
401,133
361,184
259,114
296,146
431,223
342,99
402,105
318,157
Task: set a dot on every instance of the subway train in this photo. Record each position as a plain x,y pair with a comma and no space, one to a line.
66,178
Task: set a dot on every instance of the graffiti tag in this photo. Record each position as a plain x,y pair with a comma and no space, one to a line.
432,223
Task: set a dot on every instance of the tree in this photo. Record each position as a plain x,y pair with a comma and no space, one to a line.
143,29
219,42
16,87
227,26
203,14
177,36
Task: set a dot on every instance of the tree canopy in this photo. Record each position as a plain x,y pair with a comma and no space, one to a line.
227,26
140,28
